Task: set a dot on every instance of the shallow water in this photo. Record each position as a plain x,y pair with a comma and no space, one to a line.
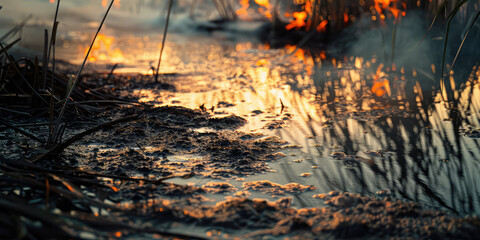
389,144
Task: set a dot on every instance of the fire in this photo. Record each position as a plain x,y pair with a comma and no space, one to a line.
298,22
381,85
304,19
382,5
264,3
267,6
102,50
244,10
322,27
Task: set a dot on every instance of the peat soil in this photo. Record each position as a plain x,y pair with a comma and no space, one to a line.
173,141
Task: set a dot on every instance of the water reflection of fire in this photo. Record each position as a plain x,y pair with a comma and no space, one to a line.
381,85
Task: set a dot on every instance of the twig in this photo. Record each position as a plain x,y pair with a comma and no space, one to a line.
170,3
16,28
20,73
111,72
52,43
10,45
67,98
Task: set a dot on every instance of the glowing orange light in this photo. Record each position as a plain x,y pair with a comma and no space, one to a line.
264,3
102,50
244,10
116,4
381,85
298,22
118,234
52,1
381,5
322,27
323,55
262,62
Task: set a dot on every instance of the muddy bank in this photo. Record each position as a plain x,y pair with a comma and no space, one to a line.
174,139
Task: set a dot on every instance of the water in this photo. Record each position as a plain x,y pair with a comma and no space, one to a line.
418,156
418,149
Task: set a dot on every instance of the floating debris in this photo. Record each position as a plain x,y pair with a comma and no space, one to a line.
373,153
275,124
382,193
218,187
338,155
224,104
292,146
305,175
335,146
277,189
473,133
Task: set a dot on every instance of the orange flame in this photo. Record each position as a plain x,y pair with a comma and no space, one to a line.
268,7
322,27
381,5
244,10
102,50
298,22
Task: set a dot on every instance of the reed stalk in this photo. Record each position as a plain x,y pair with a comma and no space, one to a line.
170,3
55,134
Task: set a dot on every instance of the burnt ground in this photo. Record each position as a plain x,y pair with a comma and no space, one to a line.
126,195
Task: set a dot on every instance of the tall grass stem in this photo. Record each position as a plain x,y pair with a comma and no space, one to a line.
170,3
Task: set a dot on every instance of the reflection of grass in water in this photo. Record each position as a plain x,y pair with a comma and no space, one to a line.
416,171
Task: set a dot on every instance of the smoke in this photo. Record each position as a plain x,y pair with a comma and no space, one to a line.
408,44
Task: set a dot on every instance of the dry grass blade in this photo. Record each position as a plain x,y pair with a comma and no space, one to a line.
446,84
465,38
16,28
170,3
9,46
12,62
52,42
60,147
56,134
